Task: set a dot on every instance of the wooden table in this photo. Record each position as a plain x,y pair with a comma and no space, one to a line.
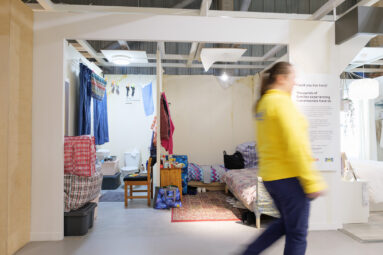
171,176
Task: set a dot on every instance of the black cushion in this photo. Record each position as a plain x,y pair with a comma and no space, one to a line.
140,177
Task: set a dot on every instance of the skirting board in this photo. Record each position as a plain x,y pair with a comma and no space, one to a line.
315,227
46,236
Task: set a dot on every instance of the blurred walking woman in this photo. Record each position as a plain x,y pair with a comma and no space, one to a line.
285,161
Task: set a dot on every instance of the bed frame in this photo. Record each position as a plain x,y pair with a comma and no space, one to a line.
262,205
214,186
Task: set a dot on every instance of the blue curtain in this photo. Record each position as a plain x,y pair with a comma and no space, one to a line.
85,91
100,127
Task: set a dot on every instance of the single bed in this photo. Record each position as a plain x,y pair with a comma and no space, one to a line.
248,188
206,176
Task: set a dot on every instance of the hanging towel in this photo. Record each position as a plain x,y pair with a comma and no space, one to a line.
84,120
164,117
147,99
167,142
98,86
100,125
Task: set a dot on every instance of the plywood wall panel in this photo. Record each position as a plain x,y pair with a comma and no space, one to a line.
16,125
4,86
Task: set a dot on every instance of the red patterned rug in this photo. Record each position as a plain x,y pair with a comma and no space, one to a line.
209,206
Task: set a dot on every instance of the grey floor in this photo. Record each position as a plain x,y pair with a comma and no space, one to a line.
367,232
142,230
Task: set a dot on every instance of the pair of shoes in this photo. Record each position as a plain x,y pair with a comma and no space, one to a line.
199,190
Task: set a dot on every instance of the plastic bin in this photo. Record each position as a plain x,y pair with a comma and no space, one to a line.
96,200
78,222
111,181
110,167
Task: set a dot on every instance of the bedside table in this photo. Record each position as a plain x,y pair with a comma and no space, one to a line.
171,176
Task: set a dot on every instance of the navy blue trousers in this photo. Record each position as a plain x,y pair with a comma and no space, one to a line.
294,208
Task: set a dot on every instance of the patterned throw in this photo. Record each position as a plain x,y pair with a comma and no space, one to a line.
209,206
80,155
98,87
244,184
250,190
206,174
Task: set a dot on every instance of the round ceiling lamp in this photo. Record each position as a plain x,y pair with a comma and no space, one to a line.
121,60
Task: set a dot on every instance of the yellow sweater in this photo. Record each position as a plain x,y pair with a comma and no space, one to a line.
283,144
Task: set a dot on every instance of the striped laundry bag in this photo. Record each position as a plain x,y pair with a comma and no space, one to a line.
80,155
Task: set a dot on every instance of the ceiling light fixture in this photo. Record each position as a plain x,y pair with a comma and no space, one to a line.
224,77
121,60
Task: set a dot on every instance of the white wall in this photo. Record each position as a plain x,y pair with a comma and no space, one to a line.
208,118
129,127
312,46
378,114
73,58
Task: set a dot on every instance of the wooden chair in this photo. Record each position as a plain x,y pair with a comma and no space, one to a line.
142,179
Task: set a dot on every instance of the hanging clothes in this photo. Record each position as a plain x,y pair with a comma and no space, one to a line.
85,92
98,86
166,127
147,99
100,125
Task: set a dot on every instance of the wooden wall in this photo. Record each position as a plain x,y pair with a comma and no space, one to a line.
16,48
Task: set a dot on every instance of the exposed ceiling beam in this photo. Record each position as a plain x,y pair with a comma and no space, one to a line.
245,5
47,4
182,65
161,48
205,6
192,54
377,63
91,51
360,3
272,52
367,70
172,11
186,57
265,15
199,49
123,44
183,4
325,9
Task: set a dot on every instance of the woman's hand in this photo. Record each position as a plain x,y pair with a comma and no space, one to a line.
314,195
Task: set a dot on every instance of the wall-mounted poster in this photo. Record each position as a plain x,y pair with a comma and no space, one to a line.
318,99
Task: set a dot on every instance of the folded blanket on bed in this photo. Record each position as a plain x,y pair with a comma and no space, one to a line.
206,174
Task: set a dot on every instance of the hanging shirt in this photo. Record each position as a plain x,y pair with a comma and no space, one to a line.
166,126
283,142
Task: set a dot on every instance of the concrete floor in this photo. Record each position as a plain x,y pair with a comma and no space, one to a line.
141,230
367,232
